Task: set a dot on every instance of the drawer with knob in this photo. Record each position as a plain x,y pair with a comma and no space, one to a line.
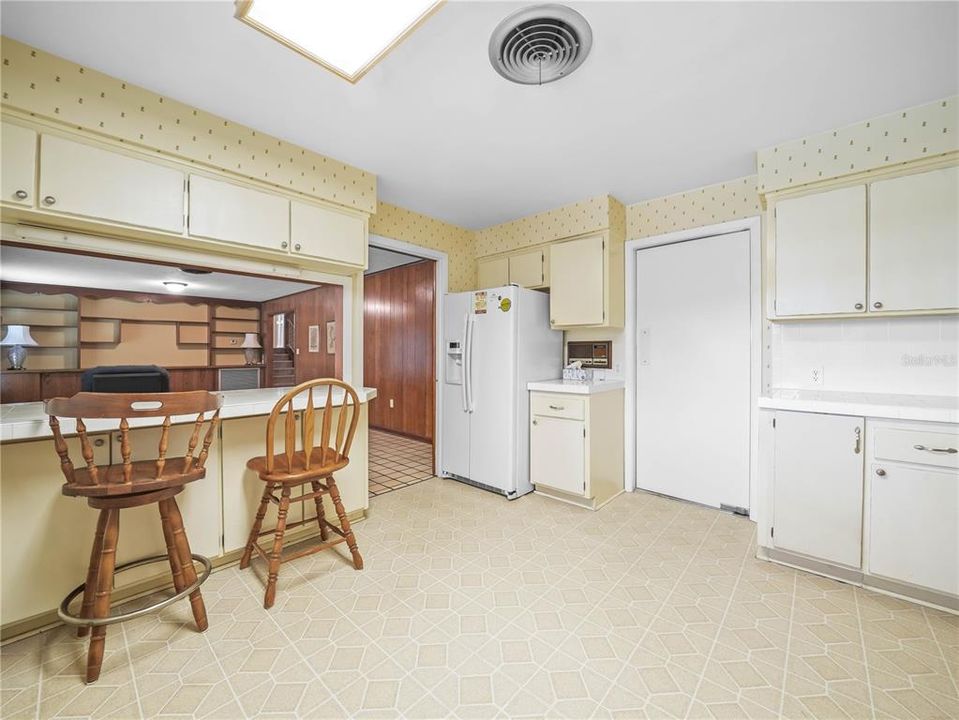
556,405
921,447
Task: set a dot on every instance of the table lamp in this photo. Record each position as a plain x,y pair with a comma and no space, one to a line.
18,339
250,345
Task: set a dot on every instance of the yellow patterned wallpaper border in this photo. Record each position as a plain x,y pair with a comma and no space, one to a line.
918,132
730,200
51,87
399,223
573,219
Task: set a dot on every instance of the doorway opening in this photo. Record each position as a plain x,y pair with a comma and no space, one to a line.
399,350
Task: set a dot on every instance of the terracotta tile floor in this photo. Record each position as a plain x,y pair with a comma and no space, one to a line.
474,607
397,462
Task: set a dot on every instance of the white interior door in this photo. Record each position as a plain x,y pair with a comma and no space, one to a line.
693,370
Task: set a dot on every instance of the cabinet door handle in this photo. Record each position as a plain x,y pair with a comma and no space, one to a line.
877,305
535,422
20,194
297,246
284,244
557,407
49,200
858,446
98,442
880,472
949,451
858,306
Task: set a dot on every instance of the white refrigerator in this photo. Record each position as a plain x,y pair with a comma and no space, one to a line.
496,341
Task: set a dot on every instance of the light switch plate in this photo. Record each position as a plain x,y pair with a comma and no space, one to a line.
816,376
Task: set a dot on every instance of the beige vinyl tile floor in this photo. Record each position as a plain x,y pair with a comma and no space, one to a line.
474,607
397,462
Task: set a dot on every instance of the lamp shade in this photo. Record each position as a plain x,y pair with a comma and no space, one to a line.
18,335
250,340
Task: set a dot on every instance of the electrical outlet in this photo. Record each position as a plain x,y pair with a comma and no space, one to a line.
391,403
816,376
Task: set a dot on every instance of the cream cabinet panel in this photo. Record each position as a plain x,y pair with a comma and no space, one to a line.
18,164
80,179
821,253
913,521
578,282
557,454
224,211
492,273
328,234
914,242
817,488
45,537
528,269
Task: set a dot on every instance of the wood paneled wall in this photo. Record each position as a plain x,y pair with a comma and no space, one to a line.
398,348
312,307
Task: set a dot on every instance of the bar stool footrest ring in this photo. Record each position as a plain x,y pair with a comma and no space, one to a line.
63,612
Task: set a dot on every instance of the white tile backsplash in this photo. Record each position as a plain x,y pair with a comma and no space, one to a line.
915,356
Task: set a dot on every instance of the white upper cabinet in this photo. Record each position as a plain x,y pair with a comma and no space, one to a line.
80,179
914,242
821,253
528,269
493,272
578,282
223,211
328,234
18,164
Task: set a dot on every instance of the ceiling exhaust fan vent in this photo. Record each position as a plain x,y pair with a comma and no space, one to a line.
540,44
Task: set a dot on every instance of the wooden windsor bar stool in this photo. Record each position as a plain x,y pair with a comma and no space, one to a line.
295,468
110,488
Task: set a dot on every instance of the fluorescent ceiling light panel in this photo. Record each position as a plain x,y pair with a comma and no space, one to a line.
346,36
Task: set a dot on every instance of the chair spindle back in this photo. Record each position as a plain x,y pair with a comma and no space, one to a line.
125,406
347,415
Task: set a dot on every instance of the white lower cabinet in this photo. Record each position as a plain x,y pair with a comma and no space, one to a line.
817,492
576,446
914,526
558,453
913,505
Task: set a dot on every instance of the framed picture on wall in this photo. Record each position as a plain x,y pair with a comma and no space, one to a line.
314,338
331,337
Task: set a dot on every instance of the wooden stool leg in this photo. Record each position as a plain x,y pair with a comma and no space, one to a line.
172,553
89,593
187,569
320,512
274,568
104,586
257,524
344,523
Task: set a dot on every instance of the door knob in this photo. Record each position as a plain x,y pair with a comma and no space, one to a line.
49,200
20,194
877,305
880,472
858,306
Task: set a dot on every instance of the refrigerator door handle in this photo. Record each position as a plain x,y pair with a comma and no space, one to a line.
468,369
465,361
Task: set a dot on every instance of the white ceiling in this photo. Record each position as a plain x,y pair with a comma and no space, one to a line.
673,95
43,267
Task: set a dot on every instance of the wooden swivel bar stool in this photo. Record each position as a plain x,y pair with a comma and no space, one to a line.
311,464
110,488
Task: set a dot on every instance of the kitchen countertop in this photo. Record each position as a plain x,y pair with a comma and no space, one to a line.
575,387
27,421
929,408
